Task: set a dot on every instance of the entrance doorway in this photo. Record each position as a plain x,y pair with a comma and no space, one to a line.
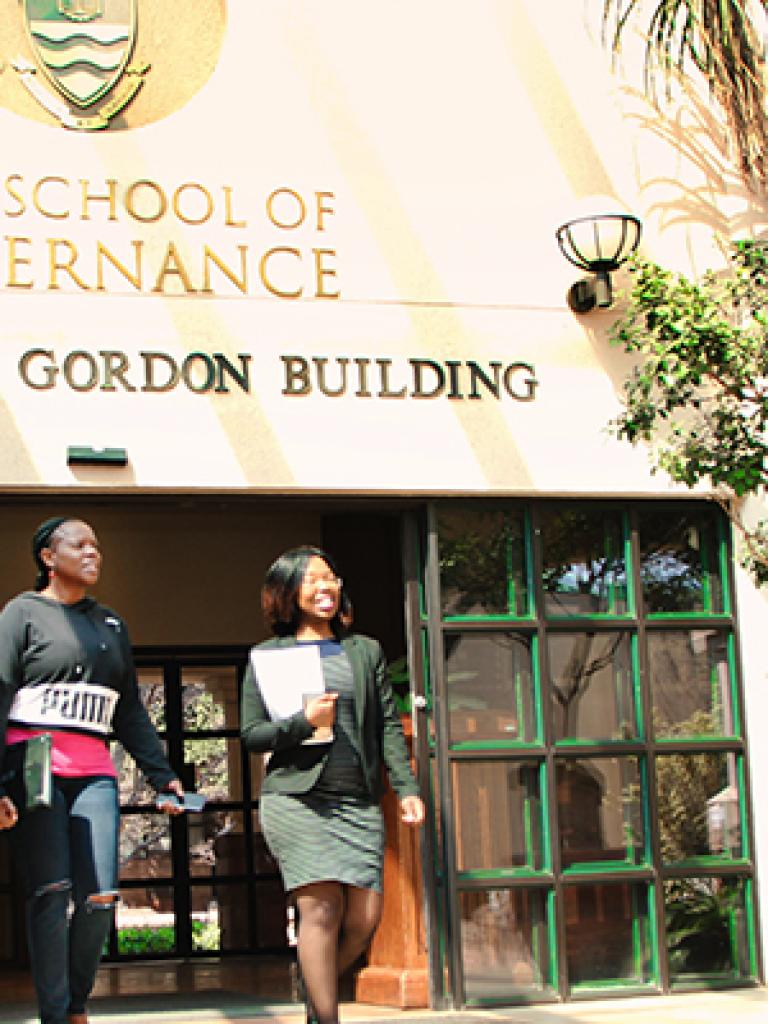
199,884
185,573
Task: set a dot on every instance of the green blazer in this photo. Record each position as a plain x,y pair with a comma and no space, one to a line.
295,768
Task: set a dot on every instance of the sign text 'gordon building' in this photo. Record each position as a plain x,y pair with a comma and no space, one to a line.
341,376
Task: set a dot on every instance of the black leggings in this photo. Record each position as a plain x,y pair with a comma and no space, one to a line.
336,923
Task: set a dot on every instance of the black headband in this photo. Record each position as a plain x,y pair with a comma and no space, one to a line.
42,539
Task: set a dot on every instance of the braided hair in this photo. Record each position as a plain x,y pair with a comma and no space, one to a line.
42,539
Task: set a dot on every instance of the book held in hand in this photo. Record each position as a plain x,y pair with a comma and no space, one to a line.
27,772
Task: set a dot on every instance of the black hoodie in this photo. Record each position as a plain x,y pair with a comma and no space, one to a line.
70,668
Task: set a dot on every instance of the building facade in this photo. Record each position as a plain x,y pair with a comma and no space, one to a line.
286,273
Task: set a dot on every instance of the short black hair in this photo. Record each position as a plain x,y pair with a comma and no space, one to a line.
281,587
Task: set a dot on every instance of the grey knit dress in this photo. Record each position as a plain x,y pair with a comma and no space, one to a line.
334,832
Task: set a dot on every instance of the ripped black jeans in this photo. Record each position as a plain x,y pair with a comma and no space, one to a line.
68,857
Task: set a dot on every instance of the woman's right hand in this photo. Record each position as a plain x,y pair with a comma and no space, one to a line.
320,711
8,813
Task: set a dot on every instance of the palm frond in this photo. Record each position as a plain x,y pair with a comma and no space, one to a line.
716,40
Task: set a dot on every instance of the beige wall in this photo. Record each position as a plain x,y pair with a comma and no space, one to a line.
432,169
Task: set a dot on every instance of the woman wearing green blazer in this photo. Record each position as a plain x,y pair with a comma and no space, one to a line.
320,799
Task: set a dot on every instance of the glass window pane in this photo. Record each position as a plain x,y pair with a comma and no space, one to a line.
219,917
593,696
482,562
145,921
263,861
132,786
599,809
679,563
216,843
152,690
206,906
145,846
497,807
490,687
583,567
273,927
607,934
217,767
707,929
209,698
690,683
504,943
698,805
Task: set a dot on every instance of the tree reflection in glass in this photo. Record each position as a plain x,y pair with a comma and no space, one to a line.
591,685
583,561
679,567
490,686
482,562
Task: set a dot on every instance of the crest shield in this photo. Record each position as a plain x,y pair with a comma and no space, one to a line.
82,46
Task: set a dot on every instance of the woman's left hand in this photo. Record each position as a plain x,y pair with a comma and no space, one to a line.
412,810
168,806
8,813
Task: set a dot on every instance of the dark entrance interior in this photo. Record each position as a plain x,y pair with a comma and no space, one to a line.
202,905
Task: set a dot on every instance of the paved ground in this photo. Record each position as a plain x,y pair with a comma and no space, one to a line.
744,1006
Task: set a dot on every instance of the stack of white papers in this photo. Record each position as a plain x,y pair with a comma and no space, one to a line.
288,677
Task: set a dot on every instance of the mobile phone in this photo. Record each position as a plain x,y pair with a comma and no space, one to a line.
191,802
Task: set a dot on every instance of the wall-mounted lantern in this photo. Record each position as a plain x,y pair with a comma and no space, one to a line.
598,244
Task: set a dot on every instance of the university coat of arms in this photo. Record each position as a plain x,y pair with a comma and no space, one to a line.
83,48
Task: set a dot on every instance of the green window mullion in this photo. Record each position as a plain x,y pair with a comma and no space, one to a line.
642,733
706,588
751,936
645,804
608,552
715,700
733,688
536,945
546,827
742,791
626,697
528,831
718,617
519,711
538,700
509,563
637,935
629,846
554,952
528,568
733,939
431,733
722,548
654,933
628,574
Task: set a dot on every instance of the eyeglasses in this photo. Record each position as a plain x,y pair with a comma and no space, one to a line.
336,582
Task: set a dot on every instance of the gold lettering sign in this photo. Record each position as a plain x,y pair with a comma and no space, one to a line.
186,263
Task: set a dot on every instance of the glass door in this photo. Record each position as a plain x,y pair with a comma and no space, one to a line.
198,884
583,723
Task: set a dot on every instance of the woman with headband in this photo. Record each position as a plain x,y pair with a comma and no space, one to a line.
66,669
